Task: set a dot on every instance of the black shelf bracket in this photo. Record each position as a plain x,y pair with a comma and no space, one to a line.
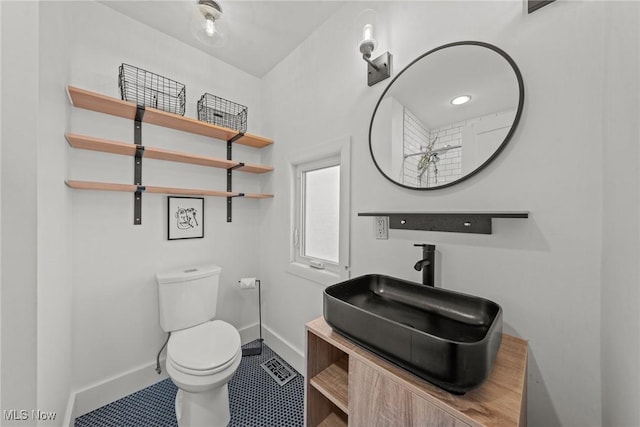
235,138
137,125
137,166
137,208
229,174
137,170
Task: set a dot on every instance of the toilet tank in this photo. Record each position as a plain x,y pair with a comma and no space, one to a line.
188,296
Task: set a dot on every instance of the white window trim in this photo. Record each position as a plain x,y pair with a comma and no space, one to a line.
339,147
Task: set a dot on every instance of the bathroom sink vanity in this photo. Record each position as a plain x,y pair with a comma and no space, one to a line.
447,338
349,385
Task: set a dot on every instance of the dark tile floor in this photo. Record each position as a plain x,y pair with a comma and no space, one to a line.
256,400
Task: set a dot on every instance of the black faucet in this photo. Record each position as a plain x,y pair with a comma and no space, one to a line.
427,263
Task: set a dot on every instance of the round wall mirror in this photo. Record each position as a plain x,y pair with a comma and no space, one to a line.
446,115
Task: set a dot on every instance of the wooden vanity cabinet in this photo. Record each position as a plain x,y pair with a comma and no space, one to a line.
378,400
348,385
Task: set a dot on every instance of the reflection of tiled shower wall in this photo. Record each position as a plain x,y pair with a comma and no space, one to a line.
450,164
416,139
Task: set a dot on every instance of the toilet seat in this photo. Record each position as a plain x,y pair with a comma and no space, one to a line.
204,349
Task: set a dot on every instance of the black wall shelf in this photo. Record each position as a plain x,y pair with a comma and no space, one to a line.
456,222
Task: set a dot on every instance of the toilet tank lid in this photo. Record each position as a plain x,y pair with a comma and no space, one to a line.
188,273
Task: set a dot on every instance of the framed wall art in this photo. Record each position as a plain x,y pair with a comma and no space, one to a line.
186,217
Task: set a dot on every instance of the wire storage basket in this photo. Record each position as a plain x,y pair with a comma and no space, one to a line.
151,90
219,111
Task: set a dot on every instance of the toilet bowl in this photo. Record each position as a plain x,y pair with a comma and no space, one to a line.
200,361
202,354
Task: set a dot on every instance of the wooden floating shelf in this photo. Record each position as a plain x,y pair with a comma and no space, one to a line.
105,104
122,148
333,383
457,222
131,188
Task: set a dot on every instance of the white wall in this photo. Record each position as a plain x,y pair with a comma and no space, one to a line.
19,94
1,259
54,299
621,232
36,262
115,315
545,271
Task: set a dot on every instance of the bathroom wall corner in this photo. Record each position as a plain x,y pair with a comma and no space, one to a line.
287,351
70,414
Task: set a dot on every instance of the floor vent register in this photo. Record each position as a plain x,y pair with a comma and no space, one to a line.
281,373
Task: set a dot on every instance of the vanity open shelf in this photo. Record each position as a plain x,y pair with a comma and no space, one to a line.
327,383
457,222
333,384
140,114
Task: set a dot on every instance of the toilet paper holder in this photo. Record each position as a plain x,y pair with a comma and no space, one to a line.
254,351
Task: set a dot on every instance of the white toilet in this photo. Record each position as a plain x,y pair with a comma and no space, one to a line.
202,354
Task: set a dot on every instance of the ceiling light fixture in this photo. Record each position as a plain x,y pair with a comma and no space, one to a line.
206,24
462,99
379,68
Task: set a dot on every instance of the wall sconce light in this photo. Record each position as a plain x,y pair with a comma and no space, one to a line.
379,68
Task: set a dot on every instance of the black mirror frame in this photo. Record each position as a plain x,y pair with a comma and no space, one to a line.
516,120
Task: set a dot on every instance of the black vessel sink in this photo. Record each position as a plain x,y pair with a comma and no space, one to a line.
447,338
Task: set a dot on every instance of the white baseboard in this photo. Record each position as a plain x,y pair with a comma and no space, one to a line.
249,333
97,395
112,389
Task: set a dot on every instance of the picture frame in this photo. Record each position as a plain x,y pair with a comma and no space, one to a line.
185,218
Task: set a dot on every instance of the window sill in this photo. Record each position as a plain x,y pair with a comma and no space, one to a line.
323,277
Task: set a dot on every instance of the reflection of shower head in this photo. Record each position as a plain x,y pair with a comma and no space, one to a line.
428,151
445,148
413,154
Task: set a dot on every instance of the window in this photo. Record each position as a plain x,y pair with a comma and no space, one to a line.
320,200
318,222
